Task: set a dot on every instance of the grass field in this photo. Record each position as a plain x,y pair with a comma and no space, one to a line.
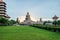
26,33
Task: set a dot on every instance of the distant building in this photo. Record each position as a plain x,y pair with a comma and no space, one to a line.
28,20
40,21
3,10
48,23
55,18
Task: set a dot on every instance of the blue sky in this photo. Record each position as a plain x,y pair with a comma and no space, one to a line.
37,8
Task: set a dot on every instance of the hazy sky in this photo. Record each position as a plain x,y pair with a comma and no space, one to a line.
37,8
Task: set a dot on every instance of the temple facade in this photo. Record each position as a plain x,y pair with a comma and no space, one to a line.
3,10
28,20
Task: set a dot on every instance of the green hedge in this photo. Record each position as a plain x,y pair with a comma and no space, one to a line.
48,27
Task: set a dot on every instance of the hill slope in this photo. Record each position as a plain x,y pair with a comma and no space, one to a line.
26,33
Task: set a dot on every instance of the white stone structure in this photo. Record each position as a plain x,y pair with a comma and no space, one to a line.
28,20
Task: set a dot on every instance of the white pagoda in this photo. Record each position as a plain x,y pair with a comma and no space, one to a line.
29,21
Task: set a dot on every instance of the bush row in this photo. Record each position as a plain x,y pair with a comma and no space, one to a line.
49,28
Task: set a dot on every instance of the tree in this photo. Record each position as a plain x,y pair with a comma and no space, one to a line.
3,21
12,22
55,22
44,22
58,22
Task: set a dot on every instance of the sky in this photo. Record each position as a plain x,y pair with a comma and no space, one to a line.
37,8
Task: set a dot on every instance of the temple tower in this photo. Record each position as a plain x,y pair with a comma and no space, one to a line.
27,16
27,20
3,10
40,19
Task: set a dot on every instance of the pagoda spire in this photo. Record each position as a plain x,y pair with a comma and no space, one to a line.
1,0
3,10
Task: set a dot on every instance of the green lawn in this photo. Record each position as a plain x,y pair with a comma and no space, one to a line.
26,33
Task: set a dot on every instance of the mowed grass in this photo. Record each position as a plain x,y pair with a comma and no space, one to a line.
26,33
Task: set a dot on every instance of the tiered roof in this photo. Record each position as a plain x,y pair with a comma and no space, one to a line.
3,9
